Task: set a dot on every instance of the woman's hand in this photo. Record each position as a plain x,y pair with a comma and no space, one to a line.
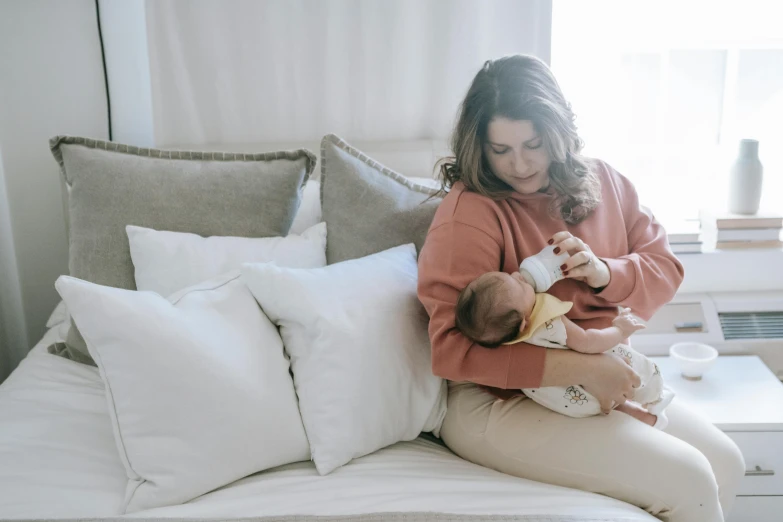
583,265
611,380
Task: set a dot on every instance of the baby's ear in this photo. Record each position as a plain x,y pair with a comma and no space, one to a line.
522,326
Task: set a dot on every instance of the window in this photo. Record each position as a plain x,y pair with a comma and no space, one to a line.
664,91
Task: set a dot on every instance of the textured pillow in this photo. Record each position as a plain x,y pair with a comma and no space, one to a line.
309,212
367,207
357,338
166,262
198,386
110,186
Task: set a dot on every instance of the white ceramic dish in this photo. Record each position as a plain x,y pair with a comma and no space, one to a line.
693,359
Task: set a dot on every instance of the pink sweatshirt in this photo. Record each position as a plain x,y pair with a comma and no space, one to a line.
472,234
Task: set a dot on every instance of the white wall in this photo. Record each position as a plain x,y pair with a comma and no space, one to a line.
51,82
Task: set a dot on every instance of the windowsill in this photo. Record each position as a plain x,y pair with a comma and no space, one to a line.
741,270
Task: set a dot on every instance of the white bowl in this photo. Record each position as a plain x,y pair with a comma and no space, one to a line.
693,359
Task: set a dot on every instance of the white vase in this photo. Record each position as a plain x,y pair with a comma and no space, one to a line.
746,177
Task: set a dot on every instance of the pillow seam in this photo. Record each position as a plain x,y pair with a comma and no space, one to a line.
114,408
364,158
206,289
150,152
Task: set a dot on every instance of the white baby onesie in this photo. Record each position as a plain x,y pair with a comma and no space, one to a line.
574,401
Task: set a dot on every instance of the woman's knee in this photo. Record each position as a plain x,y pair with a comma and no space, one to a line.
728,465
723,454
690,490
728,462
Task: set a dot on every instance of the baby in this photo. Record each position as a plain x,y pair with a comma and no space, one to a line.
499,308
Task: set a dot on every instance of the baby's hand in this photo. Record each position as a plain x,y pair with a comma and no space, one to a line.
628,323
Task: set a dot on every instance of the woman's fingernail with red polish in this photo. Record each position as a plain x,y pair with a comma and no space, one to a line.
551,241
565,273
563,267
557,250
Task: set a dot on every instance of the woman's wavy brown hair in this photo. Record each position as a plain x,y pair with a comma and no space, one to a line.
521,88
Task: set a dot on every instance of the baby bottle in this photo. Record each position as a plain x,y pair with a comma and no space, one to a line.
543,269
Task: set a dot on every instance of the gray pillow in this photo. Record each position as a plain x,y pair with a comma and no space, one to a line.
109,186
367,207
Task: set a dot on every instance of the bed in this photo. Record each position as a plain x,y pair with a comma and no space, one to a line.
59,459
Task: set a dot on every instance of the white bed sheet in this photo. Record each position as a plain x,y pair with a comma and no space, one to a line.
57,450
58,459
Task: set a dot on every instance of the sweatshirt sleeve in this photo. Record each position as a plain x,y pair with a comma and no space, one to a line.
453,255
649,275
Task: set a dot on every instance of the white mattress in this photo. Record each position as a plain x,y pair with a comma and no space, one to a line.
58,460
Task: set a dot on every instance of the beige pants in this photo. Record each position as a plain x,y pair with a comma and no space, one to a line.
688,473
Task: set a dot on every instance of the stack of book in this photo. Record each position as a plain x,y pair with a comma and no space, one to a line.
732,231
684,237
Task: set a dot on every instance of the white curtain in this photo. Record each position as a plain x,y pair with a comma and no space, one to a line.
13,332
241,71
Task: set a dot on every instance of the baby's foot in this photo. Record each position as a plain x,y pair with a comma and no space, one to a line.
637,412
656,408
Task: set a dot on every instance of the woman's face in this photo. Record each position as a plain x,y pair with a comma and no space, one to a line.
516,154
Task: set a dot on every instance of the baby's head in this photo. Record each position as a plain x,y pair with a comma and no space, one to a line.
494,308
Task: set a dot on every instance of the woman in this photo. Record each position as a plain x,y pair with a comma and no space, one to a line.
517,183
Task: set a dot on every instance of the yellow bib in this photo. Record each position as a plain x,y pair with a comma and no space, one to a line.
546,308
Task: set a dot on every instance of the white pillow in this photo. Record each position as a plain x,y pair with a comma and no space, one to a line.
357,337
166,262
59,315
198,386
